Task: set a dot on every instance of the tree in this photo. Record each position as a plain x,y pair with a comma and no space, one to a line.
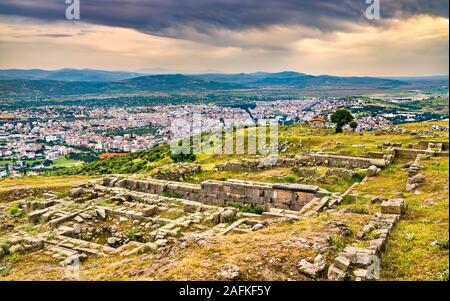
47,162
353,125
177,158
341,117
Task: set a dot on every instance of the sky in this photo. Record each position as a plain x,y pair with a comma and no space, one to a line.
411,37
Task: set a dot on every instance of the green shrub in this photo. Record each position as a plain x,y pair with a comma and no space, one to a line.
250,208
443,244
348,199
4,271
5,246
85,157
357,177
62,194
337,242
132,234
444,276
15,211
130,163
173,195
179,158
290,179
359,210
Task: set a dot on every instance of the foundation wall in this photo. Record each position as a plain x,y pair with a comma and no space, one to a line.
412,153
376,159
223,193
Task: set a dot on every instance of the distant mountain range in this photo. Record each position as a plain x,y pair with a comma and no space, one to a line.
67,74
42,83
150,83
289,79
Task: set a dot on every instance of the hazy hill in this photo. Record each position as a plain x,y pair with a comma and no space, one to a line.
290,79
124,81
164,83
67,74
169,82
38,83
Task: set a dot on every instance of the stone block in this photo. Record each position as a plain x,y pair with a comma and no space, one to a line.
121,183
78,219
227,216
336,274
66,231
394,206
371,171
76,192
313,269
192,207
229,272
142,186
362,260
361,274
101,213
46,216
377,244
35,243
342,263
36,215
17,249
150,211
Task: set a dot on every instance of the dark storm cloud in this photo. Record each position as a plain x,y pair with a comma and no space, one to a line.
157,16
48,35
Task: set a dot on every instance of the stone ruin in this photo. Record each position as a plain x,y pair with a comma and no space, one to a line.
415,177
431,148
363,263
223,193
176,172
99,220
126,216
122,216
316,159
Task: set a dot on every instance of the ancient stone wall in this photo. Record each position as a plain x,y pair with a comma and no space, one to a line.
240,166
412,153
176,172
441,154
184,190
375,155
425,144
377,159
154,186
342,161
223,193
291,197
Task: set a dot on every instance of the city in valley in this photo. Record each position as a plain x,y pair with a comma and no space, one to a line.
35,140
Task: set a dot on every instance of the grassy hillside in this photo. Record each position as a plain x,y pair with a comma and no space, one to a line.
293,140
138,162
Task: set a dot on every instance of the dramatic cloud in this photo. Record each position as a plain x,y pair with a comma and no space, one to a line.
162,16
311,36
417,45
